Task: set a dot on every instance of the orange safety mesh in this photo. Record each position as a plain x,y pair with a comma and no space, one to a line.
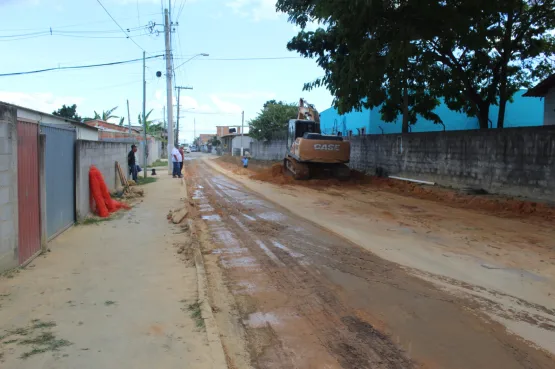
101,196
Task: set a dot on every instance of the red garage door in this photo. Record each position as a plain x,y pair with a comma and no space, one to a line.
28,190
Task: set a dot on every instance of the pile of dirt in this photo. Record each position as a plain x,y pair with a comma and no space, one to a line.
492,204
498,205
276,174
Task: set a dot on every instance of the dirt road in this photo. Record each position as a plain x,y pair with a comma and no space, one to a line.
289,294
109,295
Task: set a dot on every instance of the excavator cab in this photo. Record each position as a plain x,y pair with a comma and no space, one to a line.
298,128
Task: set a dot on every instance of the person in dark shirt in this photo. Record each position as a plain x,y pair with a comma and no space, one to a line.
182,152
131,162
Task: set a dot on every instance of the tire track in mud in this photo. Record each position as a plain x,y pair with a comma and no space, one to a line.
317,301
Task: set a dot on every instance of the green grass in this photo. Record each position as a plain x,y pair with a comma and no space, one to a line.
109,303
9,274
39,324
196,313
94,220
142,181
158,163
42,342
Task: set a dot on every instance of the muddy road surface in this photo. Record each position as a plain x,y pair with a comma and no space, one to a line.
288,294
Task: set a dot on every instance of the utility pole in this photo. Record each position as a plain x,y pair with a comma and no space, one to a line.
128,118
167,30
145,149
195,131
242,124
178,88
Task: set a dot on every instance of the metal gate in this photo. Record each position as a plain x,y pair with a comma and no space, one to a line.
59,173
28,190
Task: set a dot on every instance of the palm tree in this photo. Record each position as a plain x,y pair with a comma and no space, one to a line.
106,114
148,123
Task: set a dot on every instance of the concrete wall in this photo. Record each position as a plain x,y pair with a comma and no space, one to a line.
236,143
549,108
269,150
104,156
8,188
154,148
515,161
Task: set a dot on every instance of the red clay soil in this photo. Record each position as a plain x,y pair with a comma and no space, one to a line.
492,204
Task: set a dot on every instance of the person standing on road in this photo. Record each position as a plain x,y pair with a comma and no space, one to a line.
182,152
176,159
132,163
245,161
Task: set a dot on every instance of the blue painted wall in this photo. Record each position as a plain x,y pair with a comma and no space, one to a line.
523,112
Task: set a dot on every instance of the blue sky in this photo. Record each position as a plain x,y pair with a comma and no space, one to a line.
225,29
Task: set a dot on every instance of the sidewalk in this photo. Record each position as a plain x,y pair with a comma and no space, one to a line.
110,295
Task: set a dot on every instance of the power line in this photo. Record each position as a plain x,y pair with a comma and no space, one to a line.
79,66
51,29
70,25
63,34
110,15
183,2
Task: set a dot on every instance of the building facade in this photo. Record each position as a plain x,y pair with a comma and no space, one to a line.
521,112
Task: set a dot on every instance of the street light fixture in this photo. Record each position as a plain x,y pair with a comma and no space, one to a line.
191,58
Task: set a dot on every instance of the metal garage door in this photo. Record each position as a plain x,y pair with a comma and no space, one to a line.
59,173
28,190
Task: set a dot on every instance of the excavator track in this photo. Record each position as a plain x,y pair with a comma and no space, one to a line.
300,171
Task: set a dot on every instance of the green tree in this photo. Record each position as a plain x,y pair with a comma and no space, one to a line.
121,121
473,53
69,112
150,127
273,118
214,141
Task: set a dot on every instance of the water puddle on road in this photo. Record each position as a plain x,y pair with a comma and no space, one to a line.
261,320
212,218
272,216
243,262
205,208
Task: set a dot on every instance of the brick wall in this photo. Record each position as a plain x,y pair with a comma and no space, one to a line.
8,188
515,161
103,155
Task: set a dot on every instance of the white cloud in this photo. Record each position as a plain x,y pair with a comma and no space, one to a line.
258,10
249,95
225,106
42,101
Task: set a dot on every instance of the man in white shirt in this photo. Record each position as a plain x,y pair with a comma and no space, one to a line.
176,159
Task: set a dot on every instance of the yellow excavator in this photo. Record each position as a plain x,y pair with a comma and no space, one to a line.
312,154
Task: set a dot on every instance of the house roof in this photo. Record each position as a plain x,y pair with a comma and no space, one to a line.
105,126
70,121
542,88
234,135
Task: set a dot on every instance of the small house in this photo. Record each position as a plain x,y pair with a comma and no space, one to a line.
546,90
